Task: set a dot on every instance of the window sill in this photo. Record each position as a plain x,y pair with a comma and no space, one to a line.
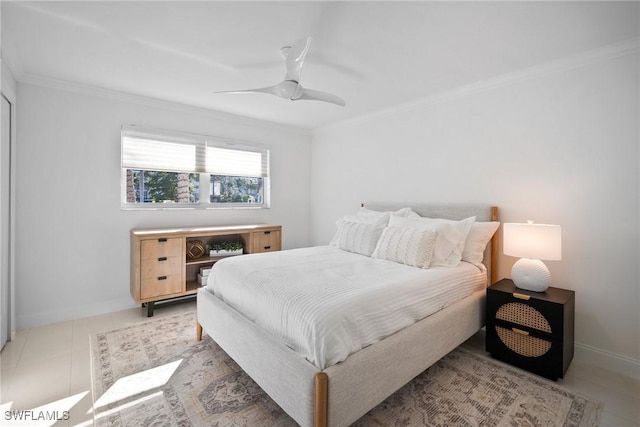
171,207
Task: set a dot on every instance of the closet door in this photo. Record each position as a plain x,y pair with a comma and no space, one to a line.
5,175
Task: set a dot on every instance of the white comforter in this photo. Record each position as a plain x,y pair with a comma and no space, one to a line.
326,303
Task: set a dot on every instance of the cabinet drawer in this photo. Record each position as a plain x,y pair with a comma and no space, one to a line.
523,343
541,318
266,241
535,354
161,247
524,315
161,266
160,286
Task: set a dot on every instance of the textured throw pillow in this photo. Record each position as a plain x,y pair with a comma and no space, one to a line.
410,246
477,240
358,237
451,237
370,217
380,221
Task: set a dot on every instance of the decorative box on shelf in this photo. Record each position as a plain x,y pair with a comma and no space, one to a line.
531,330
203,275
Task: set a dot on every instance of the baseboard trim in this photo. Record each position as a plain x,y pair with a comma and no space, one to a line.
79,311
610,361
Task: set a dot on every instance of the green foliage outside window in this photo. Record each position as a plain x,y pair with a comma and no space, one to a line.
162,187
236,189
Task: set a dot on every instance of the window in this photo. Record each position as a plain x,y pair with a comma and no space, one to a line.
168,170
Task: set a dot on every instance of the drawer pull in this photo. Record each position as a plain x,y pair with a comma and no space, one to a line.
521,296
162,239
267,247
519,331
162,278
267,232
162,258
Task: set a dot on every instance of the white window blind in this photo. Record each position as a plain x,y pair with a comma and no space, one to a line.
161,152
147,154
164,151
237,161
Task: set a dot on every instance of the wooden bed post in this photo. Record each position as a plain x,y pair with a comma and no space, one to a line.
322,400
198,331
494,248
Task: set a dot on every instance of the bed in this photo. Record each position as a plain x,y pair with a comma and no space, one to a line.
317,388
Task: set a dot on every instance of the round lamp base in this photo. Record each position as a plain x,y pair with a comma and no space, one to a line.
531,274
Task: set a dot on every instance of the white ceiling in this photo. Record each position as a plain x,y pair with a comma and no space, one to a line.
375,55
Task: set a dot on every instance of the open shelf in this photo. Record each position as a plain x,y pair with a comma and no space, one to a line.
192,287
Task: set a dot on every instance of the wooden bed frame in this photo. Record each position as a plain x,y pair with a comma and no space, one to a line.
334,396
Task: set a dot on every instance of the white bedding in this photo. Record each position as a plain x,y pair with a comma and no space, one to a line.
326,303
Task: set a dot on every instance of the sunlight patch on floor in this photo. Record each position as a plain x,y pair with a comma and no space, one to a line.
134,389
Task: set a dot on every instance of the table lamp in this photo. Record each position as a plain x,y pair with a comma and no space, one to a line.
532,243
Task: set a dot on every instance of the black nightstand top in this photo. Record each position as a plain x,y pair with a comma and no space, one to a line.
555,295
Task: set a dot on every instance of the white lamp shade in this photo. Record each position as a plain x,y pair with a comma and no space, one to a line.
533,241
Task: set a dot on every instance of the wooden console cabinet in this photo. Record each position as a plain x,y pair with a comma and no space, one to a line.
161,268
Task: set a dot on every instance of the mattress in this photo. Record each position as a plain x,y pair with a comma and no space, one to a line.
326,303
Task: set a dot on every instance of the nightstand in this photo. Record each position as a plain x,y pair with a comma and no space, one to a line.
531,330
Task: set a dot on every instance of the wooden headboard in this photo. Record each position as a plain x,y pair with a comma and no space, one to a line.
455,211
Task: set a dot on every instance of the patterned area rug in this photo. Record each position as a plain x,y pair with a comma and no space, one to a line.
156,374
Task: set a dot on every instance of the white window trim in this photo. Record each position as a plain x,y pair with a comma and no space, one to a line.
204,178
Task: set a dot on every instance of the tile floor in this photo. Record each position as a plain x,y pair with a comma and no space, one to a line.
50,365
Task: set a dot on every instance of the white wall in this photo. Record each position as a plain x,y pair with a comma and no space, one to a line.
8,89
72,237
557,144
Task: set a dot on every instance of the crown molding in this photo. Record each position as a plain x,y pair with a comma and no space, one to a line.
90,90
7,81
605,53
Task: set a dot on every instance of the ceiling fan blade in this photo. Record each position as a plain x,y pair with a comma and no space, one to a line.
316,95
285,89
294,57
269,89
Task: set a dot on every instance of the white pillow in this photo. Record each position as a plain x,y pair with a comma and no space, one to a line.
364,212
381,221
369,216
477,240
451,237
410,246
359,237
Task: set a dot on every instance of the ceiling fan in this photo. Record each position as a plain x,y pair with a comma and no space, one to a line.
290,88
